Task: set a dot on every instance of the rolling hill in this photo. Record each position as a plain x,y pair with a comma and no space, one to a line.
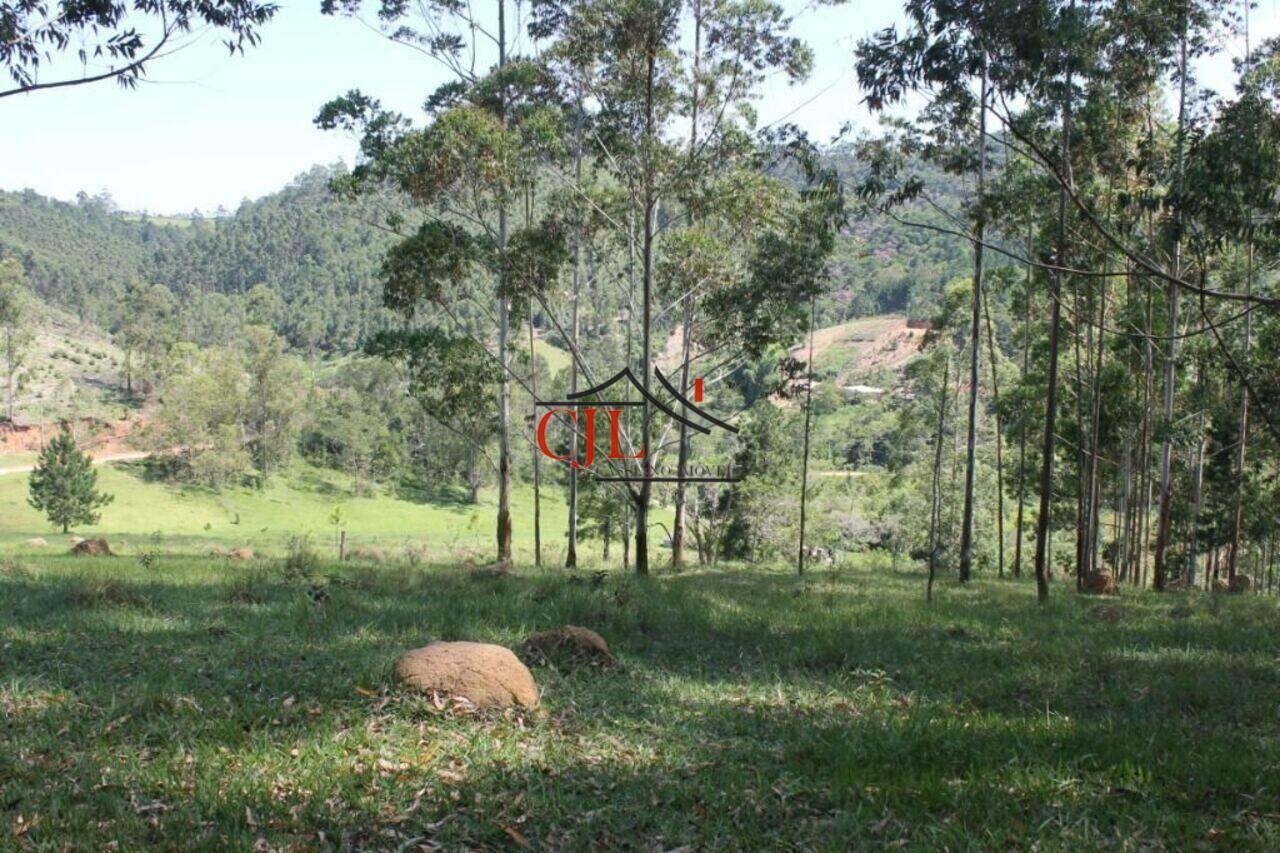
72,371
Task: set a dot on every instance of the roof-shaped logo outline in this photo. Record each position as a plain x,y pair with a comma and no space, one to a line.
626,373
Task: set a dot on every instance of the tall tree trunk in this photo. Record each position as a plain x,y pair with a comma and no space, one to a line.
1242,444
1197,488
1171,357
1166,444
808,420
1126,514
632,494
504,331
1095,427
571,553
1051,395
1144,456
995,398
1082,456
682,462
935,495
682,457
537,456
975,344
646,328
1022,433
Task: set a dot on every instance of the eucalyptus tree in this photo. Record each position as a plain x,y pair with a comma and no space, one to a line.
628,47
128,37
487,130
630,60
146,330
1075,87
734,46
1229,196
940,51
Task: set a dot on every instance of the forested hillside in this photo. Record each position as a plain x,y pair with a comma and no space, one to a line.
80,255
313,259
173,299
317,253
882,266
306,262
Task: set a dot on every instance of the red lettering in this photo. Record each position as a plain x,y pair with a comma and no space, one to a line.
590,439
542,432
615,452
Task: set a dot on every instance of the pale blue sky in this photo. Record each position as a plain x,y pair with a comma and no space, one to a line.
207,130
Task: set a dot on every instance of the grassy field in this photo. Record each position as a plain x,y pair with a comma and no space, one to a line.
147,515
556,358
193,703
18,460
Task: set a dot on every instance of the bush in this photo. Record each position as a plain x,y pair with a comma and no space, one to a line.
302,561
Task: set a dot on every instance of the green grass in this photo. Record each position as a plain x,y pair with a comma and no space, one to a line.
556,358
200,704
299,502
18,460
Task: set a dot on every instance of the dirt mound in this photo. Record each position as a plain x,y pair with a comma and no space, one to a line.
92,548
494,570
568,644
36,542
1099,582
242,554
1239,584
482,674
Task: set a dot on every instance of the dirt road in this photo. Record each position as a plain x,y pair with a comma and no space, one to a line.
131,456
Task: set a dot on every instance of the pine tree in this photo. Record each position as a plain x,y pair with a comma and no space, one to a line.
64,484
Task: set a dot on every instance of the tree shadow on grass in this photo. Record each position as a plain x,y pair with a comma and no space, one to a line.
439,492
311,481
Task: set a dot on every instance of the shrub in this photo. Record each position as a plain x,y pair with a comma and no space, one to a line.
302,561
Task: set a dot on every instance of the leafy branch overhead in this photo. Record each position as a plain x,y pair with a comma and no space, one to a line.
113,39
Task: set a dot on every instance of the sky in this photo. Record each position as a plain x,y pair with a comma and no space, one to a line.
207,130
